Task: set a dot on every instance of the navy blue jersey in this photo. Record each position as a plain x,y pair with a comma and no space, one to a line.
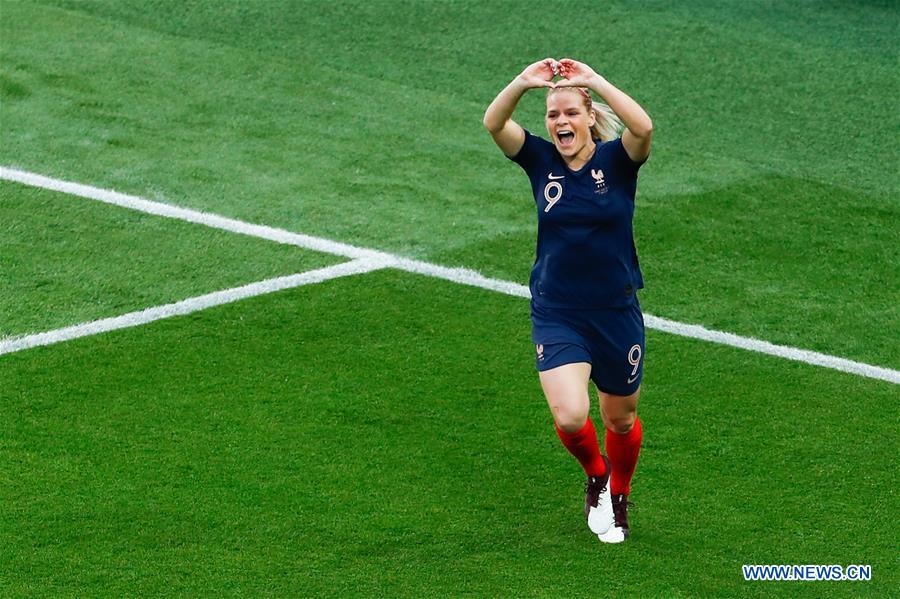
585,254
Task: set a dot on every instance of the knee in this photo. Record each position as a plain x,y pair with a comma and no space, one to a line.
620,424
569,420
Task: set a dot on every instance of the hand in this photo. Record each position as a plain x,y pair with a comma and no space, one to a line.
574,73
539,74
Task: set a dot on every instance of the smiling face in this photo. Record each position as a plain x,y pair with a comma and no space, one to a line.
569,120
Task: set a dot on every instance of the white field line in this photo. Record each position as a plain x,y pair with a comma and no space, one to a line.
457,275
782,351
193,304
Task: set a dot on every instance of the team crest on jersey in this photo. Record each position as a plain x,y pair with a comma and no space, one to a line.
600,180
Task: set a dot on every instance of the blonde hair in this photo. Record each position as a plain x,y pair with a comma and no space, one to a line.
607,125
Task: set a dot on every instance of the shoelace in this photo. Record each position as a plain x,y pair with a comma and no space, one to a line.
620,511
597,488
588,485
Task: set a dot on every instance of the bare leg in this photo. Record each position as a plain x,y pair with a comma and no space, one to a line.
566,390
618,411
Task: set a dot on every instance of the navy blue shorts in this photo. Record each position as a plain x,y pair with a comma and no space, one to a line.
611,340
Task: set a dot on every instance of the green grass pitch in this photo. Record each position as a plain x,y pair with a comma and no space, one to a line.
384,434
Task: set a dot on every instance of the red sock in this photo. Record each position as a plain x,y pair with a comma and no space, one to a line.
584,446
623,451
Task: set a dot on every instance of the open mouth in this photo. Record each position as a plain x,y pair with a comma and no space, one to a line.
566,138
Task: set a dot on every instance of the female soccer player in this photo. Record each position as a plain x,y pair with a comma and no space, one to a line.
587,322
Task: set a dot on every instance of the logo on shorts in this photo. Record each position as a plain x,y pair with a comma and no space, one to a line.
600,180
540,352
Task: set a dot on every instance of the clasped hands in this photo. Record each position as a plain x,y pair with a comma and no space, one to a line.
573,73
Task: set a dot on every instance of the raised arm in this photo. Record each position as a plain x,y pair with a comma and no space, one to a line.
509,135
638,127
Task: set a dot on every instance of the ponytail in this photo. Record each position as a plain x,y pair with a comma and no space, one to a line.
608,126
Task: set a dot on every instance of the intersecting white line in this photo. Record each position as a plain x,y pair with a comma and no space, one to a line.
457,275
193,304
